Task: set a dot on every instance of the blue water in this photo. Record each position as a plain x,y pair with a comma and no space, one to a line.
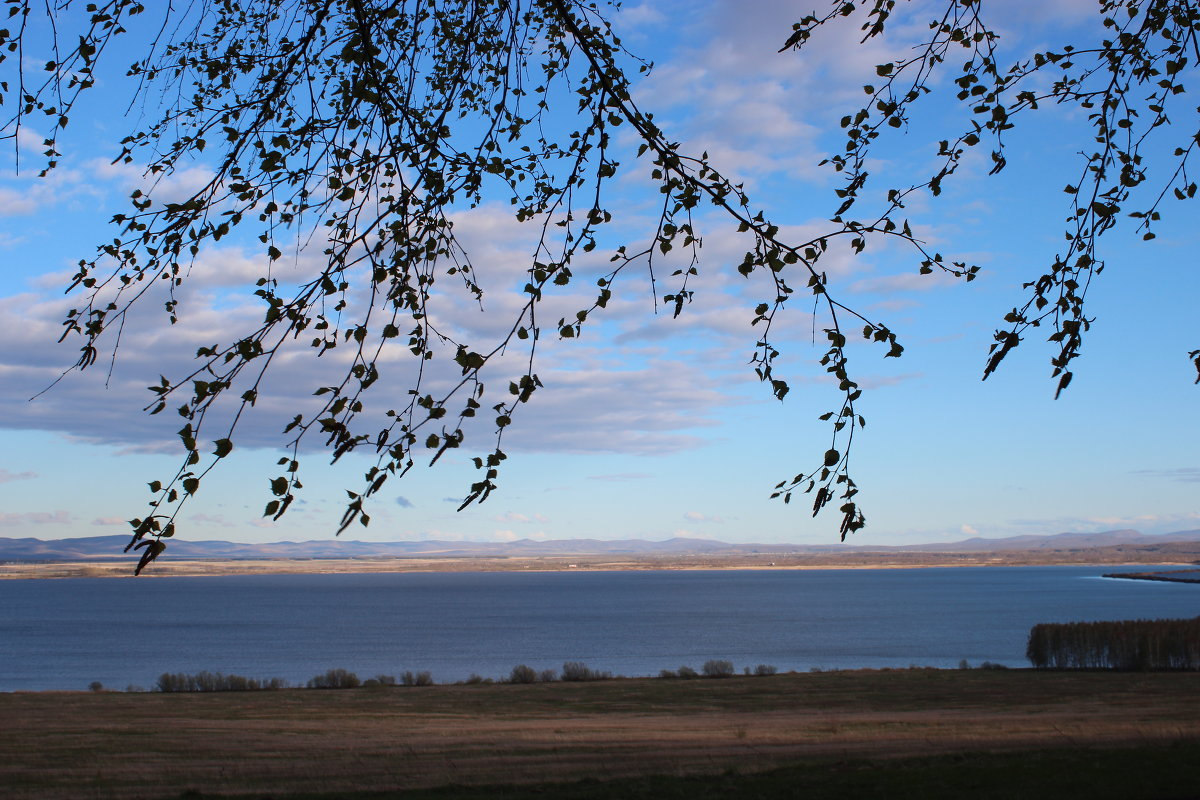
63,634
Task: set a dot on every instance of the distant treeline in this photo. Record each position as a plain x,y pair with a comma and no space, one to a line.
215,682
1141,644
344,679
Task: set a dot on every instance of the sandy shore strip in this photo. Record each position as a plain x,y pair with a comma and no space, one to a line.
868,559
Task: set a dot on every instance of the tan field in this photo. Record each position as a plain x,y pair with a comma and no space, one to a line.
70,745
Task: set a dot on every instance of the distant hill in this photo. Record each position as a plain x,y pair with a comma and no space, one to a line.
95,548
1060,541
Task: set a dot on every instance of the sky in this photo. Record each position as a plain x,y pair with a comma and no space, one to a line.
651,427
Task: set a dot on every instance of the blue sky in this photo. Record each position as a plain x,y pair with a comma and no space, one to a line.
650,427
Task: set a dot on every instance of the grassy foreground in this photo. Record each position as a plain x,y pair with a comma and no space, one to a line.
903,733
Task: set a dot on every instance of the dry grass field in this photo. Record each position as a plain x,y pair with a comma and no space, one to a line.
314,743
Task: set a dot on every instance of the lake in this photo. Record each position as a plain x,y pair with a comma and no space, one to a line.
64,634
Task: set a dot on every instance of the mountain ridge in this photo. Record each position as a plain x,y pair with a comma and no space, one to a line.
105,548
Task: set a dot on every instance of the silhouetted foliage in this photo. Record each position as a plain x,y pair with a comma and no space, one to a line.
369,127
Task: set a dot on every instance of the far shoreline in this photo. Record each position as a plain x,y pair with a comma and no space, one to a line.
1165,576
123,567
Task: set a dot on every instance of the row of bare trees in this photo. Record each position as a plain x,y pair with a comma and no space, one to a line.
1141,644
215,682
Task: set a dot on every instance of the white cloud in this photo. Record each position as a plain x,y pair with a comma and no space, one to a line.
650,410
696,516
905,282
26,194
752,107
625,388
644,14
210,519
1022,14
13,203
594,400
167,188
603,407
8,477
35,518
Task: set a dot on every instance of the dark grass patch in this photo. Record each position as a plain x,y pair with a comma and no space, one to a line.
1166,771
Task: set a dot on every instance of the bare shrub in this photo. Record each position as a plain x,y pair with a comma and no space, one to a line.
578,671
335,679
718,668
523,673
